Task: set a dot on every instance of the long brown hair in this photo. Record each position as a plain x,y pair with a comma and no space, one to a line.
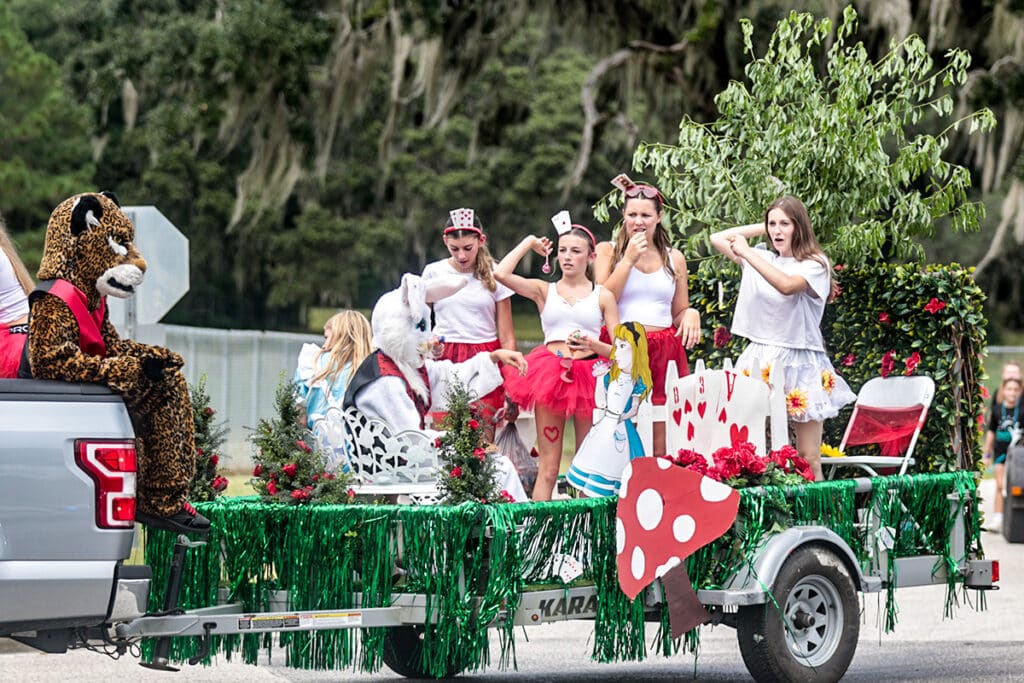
661,242
805,244
351,337
20,271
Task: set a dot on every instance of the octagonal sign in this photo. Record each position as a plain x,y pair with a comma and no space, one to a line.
166,252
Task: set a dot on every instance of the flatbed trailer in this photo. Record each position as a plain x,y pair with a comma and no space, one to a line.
421,588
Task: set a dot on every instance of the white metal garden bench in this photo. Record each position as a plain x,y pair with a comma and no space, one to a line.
383,463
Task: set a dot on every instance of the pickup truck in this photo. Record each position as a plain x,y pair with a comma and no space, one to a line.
67,514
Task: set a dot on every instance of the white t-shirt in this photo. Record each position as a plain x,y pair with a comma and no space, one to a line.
468,316
13,300
767,316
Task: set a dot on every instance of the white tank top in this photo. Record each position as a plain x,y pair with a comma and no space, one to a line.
647,298
13,300
559,317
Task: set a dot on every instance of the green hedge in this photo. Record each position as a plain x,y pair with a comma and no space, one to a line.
880,309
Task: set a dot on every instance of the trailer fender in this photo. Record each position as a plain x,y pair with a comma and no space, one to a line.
749,584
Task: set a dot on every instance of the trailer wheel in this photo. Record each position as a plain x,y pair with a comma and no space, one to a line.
815,635
403,653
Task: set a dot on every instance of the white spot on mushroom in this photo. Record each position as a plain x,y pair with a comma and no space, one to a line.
713,491
683,528
626,474
620,536
638,564
649,508
669,563
663,463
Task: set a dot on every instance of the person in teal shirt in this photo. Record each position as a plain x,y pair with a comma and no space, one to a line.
323,372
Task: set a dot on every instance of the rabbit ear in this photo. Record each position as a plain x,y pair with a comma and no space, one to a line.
412,291
440,287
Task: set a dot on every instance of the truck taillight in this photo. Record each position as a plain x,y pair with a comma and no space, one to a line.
111,465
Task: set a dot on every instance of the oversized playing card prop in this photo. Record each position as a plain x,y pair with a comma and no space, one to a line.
666,513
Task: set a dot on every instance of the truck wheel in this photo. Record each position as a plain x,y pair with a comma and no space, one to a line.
403,653
815,635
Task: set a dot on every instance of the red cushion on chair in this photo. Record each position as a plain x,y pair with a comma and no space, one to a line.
890,428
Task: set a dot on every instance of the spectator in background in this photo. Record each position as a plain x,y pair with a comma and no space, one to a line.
1003,432
323,372
15,285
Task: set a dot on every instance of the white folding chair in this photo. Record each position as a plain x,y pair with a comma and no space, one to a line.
890,412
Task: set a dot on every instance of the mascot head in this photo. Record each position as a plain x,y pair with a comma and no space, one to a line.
89,243
401,322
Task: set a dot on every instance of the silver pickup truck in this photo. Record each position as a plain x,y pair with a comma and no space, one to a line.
67,510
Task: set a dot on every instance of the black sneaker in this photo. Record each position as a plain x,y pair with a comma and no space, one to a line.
185,520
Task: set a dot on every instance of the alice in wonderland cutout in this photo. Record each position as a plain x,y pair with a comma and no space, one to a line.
613,440
666,513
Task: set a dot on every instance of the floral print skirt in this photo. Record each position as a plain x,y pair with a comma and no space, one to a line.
813,390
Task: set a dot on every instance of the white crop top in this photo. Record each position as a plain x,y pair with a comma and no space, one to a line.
13,300
559,317
647,298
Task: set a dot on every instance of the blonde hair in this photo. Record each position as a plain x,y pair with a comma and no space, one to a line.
350,344
635,334
20,271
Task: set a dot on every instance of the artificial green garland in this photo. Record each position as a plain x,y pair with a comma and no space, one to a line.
322,554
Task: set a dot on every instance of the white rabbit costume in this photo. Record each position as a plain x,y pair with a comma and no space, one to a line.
400,384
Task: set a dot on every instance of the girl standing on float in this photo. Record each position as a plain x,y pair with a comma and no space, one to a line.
15,285
559,380
782,297
649,280
479,316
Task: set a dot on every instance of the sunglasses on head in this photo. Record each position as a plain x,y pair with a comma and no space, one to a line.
645,191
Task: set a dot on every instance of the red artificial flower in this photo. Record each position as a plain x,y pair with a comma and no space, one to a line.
884,318
849,359
219,483
298,495
472,424
307,488
351,493
303,446
984,392
912,361
208,411
839,267
290,469
506,496
257,471
329,475
479,453
214,459
887,363
802,467
456,472
722,336
437,442
272,488
316,477
199,451
934,306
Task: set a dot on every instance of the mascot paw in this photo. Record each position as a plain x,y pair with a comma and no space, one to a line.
157,367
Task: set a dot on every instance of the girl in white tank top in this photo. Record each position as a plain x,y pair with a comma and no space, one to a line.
559,380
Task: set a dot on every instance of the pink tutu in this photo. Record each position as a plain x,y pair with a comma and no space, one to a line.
458,352
561,385
12,344
662,346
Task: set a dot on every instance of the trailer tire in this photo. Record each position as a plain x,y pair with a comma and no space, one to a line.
815,635
403,653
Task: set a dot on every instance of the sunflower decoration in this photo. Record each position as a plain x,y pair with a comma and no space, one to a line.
828,451
766,371
796,403
828,381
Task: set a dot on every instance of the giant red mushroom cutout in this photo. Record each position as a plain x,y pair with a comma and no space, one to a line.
665,513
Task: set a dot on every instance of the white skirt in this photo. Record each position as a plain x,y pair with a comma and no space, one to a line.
813,390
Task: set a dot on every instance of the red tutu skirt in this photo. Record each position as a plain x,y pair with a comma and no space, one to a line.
559,384
11,346
458,352
662,346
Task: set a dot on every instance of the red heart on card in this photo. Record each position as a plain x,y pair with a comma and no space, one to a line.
721,416
664,514
551,434
677,415
689,431
687,407
701,408
738,434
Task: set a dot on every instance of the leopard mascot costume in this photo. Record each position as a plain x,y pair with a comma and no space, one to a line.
88,256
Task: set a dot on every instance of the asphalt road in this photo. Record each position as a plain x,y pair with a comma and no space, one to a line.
973,646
